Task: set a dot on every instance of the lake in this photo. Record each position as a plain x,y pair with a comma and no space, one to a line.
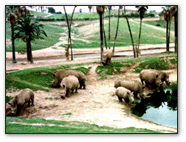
160,108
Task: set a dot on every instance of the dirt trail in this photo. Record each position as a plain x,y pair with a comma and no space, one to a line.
97,104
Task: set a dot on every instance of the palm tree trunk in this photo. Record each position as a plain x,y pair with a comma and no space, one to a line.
101,34
109,29
104,34
69,31
175,25
169,33
167,36
139,36
13,45
116,31
130,32
29,51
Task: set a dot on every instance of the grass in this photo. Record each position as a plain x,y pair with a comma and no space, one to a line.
38,78
112,68
149,35
162,23
8,98
155,63
22,125
53,35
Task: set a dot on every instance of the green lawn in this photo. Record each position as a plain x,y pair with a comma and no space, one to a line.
162,23
37,78
53,35
149,35
91,34
40,125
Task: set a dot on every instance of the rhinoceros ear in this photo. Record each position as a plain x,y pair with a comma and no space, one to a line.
157,76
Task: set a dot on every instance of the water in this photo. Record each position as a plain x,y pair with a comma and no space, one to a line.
160,108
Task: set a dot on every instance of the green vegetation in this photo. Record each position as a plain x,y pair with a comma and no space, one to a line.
161,23
112,68
38,14
22,125
157,63
53,35
37,78
85,37
90,15
8,98
149,35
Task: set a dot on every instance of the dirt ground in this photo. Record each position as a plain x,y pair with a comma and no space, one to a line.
97,104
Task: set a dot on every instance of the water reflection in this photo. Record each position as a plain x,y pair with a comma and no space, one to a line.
161,99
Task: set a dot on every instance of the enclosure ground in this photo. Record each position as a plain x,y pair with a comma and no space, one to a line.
97,104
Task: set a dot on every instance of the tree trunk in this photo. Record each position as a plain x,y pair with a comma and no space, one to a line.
29,51
175,25
139,36
167,36
13,45
169,33
104,34
69,31
116,32
101,34
130,32
109,30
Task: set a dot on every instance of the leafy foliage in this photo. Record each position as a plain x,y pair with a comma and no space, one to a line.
29,29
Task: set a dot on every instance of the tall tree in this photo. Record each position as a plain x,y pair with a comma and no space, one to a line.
80,10
109,8
10,12
173,12
51,10
28,30
69,23
14,13
130,32
104,34
116,30
89,7
167,17
100,11
141,10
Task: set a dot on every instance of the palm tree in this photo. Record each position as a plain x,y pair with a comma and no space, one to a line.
100,11
116,30
130,32
167,17
173,12
141,10
10,11
28,30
